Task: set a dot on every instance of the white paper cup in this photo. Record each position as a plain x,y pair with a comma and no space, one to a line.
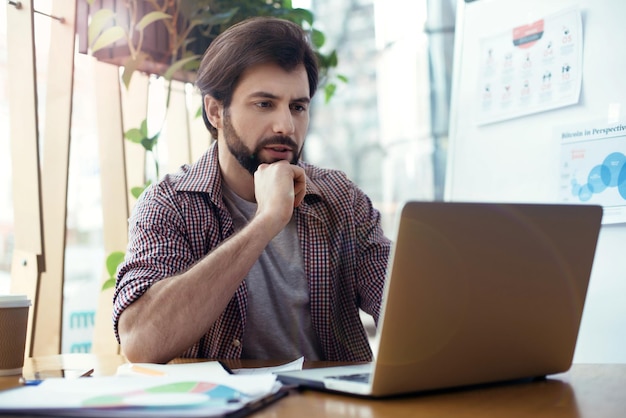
13,325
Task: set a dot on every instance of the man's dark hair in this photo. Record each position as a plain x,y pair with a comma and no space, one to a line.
258,40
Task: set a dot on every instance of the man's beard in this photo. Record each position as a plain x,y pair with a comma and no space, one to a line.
249,159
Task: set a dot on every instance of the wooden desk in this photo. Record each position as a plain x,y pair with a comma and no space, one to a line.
587,390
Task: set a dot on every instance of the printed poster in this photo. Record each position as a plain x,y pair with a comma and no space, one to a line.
531,68
593,167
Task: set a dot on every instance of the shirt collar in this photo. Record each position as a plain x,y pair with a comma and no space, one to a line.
204,176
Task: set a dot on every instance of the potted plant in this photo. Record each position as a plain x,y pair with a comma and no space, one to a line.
168,37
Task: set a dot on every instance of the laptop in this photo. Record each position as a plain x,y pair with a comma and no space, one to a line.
476,293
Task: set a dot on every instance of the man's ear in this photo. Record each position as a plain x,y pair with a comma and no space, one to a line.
213,109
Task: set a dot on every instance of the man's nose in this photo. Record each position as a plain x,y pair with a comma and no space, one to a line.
283,122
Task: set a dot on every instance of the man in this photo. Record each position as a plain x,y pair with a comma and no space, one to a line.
250,252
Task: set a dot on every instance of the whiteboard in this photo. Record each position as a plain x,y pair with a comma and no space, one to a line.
561,149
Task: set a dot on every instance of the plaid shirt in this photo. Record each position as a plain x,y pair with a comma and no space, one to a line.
182,218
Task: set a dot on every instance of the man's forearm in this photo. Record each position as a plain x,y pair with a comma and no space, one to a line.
177,311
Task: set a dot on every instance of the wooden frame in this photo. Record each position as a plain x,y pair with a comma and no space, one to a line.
27,263
40,190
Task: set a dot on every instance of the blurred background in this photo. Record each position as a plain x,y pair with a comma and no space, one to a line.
386,127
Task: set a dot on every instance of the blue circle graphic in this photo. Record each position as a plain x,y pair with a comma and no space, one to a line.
621,182
611,173
585,193
599,178
614,162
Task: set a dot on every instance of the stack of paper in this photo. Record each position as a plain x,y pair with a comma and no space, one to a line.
147,390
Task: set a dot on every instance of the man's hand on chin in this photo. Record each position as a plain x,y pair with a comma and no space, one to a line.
278,188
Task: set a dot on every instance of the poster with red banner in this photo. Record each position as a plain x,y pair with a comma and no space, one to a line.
530,68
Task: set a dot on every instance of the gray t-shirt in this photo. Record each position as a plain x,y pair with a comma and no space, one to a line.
278,323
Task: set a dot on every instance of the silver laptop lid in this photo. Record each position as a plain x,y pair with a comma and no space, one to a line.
483,292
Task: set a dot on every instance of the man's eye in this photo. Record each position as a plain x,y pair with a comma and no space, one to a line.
298,108
263,104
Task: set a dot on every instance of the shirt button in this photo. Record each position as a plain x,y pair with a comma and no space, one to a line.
236,342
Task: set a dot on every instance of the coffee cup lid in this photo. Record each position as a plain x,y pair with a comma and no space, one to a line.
14,301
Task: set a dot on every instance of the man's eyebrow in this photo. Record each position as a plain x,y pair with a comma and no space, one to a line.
267,95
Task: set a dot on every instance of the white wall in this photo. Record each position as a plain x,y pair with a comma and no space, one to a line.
520,159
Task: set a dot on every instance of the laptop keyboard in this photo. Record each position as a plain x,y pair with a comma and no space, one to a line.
358,377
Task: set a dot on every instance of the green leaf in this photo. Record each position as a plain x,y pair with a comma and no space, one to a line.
99,20
178,65
144,128
220,18
342,78
317,38
108,37
108,283
332,59
150,18
127,75
113,260
134,135
329,91
149,143
138,190
131,65
303,15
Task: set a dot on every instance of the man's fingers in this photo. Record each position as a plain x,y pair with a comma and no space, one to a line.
299,185
298,198
283,176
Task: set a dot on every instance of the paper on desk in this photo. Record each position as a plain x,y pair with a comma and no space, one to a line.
211,370
205,368
141,396
294,365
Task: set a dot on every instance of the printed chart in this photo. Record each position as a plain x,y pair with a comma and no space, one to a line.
593,167
531,68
